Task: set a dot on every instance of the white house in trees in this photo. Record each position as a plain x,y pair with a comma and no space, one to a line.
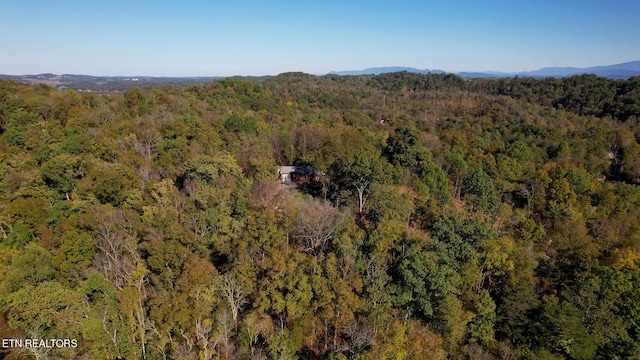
289,174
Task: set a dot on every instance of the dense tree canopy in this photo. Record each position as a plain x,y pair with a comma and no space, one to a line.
436,217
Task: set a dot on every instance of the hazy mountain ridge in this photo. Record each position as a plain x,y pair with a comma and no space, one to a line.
385,69
122,83
616,71
623,70
103,83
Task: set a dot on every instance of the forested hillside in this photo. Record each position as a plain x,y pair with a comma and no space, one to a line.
445,219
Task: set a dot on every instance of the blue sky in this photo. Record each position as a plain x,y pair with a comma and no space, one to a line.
206,38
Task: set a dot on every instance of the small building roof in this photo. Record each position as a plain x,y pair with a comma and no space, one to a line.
286,169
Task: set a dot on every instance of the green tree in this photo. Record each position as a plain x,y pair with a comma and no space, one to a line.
564,330
31,266
561,200
402,147
16,125
27,213
436,182
74,255
478,188
425,283
62,173
237,124
453,321
358,169
44,311
481,327
103,324
458,170
109,183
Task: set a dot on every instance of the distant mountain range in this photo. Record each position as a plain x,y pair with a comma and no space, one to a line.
617,71
387,69
103,83
122,83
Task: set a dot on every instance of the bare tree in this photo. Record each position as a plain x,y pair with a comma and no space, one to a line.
234,293
269,195
223,334
203,300
137,281
256,327
203,331
526,191
358,336
145,140
317,223
37,352
112,334
162,341
362,193
117,255
5,229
